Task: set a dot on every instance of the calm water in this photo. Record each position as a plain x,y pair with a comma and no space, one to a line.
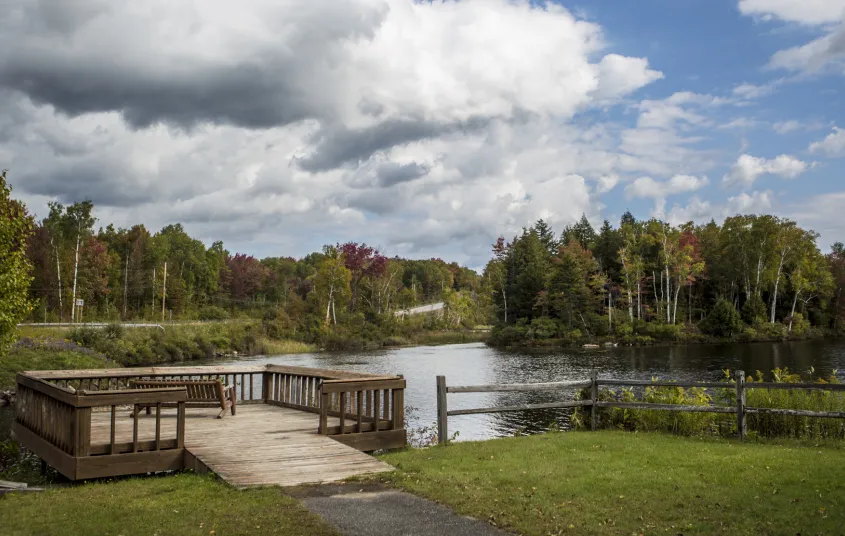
471,364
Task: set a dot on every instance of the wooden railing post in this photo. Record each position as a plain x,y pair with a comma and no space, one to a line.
265,386
442,408
398,421
740,404
324,413
594,398
81,432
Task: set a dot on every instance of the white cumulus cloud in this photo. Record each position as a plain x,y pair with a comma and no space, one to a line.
748,169
832,145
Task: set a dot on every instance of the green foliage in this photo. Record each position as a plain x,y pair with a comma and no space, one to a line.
754,310
212,312
16,227
723,320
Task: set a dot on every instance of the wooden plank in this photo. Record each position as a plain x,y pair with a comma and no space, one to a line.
668,383
129,464
398,420
524,407
667,407
337,386
58,460
505,387
66,396
82,431
442,411
132,396
131,372
125,447
804,386
390,439
741,423
797,412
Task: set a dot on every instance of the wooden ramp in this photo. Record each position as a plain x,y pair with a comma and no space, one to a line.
262,445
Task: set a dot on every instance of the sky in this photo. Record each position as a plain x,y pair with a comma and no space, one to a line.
425,128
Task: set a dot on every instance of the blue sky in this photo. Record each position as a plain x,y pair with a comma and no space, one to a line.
426,128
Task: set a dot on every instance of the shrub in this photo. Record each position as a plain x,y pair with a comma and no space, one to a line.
723,320
543,328
211,312
663,332
754,310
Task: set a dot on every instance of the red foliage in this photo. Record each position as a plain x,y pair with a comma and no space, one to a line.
363,260
246,276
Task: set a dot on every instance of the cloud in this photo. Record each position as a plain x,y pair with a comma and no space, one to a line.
785,127
646,187
824,214
751,91
824,52
803,11
748,169
621,75
606,183
832,145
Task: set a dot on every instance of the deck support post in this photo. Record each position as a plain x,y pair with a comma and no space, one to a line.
442,409
594,398
741,425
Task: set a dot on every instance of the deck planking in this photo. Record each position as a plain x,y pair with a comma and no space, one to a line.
262,445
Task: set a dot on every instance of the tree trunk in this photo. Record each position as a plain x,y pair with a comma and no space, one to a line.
125,284
59,276
675,312
75,273
654,285
329,304
792,314
639,300
777,284
668,295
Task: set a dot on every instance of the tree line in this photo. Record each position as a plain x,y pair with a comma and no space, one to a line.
127,274
755,275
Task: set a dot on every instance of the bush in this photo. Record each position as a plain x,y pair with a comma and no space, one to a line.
663,332
543,328
211,312
754,310
723,320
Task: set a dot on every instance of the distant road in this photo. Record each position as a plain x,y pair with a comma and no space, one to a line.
430,308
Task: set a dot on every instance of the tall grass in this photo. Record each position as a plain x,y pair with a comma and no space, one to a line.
695,423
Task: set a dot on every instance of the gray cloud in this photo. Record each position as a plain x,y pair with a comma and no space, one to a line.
101,185
391,173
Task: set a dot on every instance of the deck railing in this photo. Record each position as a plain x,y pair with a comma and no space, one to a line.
54,411
55,423
741,409
370,412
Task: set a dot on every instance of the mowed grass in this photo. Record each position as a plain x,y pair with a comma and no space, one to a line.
633,483
184,504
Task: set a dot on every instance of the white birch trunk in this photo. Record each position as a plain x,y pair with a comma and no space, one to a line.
777,284
75,273
59,276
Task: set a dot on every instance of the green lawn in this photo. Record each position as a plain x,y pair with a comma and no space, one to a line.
627,483
183,504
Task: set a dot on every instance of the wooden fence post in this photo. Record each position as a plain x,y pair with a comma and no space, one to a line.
442,417
594,397
740,404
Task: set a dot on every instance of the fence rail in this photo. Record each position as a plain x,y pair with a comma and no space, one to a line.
741,410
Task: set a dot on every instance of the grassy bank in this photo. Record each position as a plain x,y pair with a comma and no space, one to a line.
58,356
176,343
178,505
625,483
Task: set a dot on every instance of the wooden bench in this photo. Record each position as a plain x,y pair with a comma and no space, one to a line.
201,394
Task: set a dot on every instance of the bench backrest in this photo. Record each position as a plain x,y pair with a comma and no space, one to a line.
198,390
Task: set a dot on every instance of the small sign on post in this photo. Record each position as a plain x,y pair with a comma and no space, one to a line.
80,303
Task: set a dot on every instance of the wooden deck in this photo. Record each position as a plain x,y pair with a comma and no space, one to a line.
263,445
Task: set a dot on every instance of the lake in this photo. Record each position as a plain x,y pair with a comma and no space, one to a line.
472,364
